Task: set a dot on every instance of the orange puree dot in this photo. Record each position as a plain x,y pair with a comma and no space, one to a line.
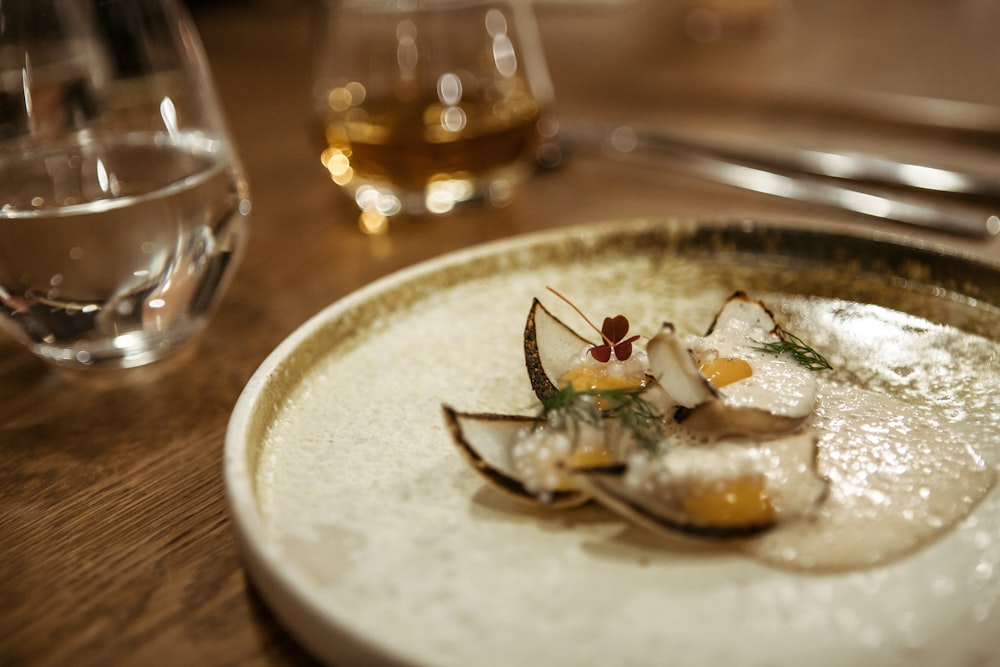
590,457
742,501
583,378
725,370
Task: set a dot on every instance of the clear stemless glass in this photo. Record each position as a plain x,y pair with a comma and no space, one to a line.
122,202
422,104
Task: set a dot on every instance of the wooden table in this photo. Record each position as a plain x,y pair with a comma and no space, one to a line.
115,543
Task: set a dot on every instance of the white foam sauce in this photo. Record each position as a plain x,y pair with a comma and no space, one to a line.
898,478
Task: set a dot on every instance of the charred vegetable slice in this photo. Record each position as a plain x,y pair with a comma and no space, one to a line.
727,489
549,349
486,440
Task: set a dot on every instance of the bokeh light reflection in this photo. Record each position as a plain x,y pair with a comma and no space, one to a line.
407,53
373,222
449,88
504,55
993,225
338,164
443,195
453,119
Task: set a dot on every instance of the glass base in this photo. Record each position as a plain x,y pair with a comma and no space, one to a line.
129,350
440,196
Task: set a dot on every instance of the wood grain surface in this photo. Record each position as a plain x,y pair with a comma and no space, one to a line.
115,543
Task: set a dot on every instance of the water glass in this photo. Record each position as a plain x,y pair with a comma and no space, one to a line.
419,105
122,202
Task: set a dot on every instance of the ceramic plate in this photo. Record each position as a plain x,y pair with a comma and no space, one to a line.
375,543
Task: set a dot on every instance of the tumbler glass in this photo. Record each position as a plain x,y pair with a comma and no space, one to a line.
420,105
122,201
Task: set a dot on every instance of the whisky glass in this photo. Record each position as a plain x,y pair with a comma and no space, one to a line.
420,105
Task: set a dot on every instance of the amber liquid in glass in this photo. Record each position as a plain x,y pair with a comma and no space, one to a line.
407,145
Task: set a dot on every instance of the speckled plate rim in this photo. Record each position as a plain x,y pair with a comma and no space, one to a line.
290,595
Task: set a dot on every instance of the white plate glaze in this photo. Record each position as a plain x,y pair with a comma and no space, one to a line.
374,543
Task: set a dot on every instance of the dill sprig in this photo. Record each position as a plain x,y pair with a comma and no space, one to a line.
800,351
569,408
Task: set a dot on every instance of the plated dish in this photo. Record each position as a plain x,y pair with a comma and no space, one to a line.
373,540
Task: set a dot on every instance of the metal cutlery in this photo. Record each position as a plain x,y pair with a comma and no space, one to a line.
933,197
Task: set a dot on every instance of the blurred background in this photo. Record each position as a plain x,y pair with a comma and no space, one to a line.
912,81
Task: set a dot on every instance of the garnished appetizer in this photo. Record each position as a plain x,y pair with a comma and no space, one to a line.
741,436
704,437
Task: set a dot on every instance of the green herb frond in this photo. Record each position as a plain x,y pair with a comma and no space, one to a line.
569,408
800,351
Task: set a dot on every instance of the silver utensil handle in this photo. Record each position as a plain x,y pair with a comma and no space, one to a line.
917,197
